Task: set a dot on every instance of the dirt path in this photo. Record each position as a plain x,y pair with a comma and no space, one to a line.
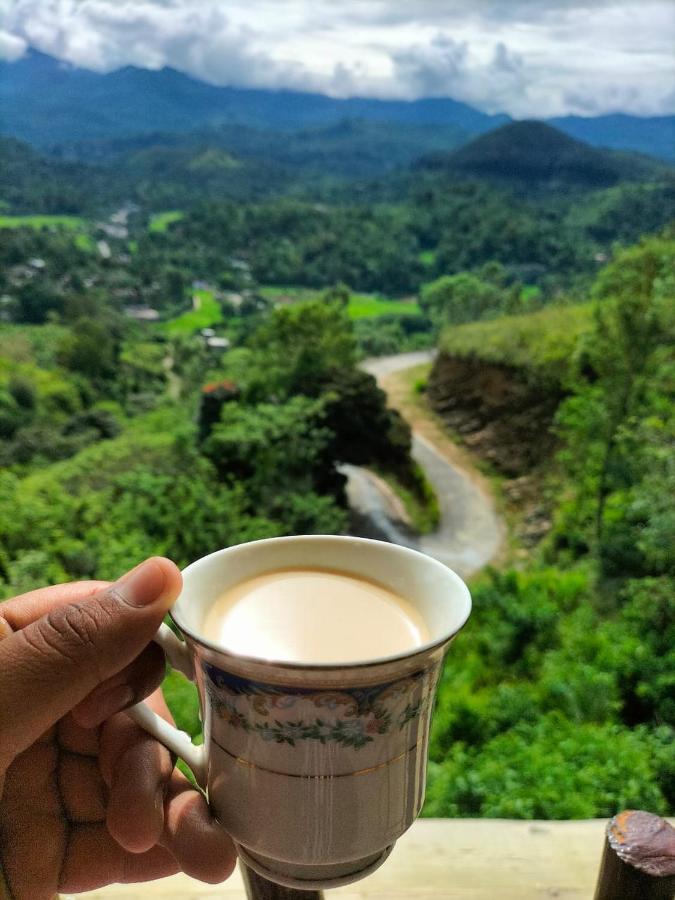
470,531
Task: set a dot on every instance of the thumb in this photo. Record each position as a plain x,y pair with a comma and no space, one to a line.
49,666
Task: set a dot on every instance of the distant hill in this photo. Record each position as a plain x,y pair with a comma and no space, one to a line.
653,136
46,101
165,176
531,155
351,148
31,183
159,176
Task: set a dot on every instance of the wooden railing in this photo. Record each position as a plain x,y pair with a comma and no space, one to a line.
477,859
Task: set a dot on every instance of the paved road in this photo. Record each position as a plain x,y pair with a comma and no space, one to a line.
376,515
379,366
470,531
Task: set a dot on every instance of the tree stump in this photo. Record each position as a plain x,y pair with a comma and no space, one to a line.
638,862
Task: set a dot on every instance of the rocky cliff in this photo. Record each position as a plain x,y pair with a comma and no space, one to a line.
506,419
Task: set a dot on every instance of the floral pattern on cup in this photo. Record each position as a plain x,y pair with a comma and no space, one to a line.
287,715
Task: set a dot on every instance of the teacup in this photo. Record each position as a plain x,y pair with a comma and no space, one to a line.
314,769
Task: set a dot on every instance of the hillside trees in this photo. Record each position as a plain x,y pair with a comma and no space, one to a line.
147,491
89,349
545,689
310,349
557,701
281,452
465,297
618,426
300,407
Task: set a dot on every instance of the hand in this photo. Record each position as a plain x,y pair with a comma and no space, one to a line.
86,797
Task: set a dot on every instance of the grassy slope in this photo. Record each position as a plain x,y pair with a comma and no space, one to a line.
209,313
427,257
161,221
365,306
74,222
542,343
421,505
361,306
32,344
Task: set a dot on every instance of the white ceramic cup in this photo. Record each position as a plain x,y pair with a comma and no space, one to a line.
314,770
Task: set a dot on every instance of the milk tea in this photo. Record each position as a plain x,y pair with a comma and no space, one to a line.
313,615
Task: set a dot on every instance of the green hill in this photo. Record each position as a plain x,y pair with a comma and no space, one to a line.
177,175
532,154
31,183
541,344
352,148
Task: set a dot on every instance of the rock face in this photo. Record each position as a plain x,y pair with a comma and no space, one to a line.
499,415
507,421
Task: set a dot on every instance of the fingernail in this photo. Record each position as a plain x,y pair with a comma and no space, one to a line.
103,705
144,584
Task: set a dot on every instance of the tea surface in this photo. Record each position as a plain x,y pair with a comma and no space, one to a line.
314,615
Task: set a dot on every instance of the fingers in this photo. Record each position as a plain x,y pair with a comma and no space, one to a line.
81,788
137,770
140,678
26,608
33,833
95,859
199,843
59,658
32,866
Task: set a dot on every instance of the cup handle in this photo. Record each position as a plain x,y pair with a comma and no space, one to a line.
173,739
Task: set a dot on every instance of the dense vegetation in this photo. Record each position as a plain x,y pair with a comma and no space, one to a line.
557,702
180,328
156,461
31,183
435,226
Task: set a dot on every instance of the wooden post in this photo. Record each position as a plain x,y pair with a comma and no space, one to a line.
259,888
638,862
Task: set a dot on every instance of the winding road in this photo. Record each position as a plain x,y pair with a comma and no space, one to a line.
469,533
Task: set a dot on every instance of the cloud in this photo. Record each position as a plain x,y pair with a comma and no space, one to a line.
525,57
446,67
195,37
12,46
451,12
505,61
431,70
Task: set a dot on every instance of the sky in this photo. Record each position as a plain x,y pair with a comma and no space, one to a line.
524,57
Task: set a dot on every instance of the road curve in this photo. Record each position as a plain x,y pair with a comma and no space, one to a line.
469,533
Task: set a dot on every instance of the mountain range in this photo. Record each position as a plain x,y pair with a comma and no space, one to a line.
47,102
527,159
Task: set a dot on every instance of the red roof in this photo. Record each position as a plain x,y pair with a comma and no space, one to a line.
219,385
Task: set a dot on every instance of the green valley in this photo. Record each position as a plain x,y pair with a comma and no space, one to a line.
184,318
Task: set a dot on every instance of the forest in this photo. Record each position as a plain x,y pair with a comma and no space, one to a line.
180,337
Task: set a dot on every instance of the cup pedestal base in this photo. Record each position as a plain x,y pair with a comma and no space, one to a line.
313,878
